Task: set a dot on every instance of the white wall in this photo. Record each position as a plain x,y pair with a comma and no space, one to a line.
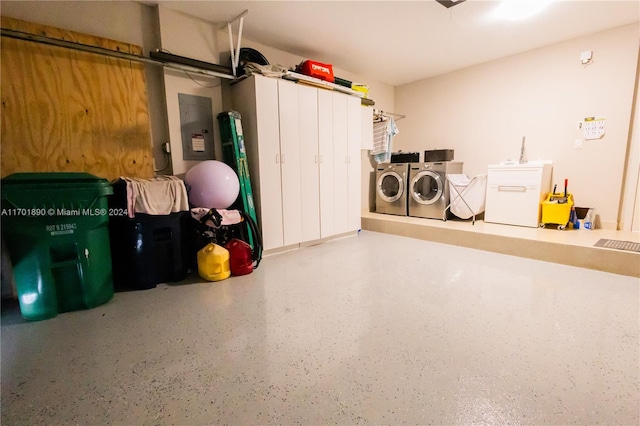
483,112
121,21
194,38
630,212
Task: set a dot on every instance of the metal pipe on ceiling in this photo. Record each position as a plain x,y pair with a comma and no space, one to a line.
107,52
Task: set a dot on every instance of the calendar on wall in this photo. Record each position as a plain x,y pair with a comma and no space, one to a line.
593,128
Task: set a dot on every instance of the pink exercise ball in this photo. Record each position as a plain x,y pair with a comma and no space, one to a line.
212,184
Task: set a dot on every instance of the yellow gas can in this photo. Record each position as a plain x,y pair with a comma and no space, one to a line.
213,262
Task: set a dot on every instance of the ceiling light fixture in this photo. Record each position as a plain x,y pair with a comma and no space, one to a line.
515,10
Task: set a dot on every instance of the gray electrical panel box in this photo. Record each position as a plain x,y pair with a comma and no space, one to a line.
196,125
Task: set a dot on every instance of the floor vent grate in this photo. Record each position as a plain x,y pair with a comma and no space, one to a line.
618,245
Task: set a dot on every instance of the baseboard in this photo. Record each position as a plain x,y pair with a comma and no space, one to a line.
308,243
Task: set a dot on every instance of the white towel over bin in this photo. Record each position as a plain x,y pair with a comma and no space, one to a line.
470,191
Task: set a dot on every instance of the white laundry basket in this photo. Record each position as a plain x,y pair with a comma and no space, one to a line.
467,196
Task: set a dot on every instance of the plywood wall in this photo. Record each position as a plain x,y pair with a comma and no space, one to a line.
67,110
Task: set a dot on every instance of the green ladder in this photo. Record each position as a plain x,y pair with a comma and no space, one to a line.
235,155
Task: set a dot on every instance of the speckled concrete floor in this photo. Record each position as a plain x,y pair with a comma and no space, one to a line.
373,329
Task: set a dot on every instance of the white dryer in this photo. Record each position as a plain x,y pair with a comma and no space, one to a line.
391,188
428,189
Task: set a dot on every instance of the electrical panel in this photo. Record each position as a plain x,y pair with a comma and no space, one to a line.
196,126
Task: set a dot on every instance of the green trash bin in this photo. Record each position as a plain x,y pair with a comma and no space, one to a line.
56,227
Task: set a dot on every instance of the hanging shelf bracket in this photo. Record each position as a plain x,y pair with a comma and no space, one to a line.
235,54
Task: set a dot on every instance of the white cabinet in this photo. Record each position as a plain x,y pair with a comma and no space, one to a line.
290,161
309,162
269,112
341,130
514,193
325,149
354,144
340,166
303,148
260,122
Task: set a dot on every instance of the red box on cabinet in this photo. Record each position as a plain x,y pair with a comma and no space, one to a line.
318,70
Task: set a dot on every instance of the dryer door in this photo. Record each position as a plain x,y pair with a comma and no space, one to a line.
427,187
390,186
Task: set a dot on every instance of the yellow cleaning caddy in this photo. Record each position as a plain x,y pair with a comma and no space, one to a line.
556,210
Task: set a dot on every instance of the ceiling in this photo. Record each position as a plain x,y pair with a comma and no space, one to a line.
398,42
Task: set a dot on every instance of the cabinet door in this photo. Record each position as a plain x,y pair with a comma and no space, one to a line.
269,177
290,161
354,143
309,162
340,158
325,150
513,195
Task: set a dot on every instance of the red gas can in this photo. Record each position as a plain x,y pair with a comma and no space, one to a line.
240,257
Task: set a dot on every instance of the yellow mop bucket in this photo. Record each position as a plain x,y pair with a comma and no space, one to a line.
556,209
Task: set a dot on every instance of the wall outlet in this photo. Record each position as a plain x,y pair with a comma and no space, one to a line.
577,144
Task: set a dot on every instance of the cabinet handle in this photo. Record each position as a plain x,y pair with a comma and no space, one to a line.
315,158
282,158
512,188
321,160
277,158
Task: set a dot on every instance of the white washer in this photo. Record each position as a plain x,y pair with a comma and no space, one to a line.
428,191
391,188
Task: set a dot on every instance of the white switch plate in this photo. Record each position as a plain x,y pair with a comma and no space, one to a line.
577,144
